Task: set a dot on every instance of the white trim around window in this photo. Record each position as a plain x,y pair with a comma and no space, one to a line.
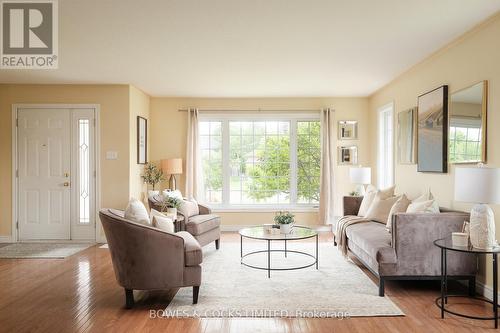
292,118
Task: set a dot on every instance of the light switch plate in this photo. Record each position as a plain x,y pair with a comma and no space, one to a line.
111,155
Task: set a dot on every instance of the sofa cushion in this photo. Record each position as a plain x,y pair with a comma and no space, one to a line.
373,239
202,223
192,249
399,207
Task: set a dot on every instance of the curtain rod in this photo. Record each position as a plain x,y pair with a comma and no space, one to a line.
253,110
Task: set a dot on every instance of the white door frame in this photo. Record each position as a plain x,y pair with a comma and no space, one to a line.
99,237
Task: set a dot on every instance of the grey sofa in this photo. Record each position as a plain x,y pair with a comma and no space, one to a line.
408,253
205,226
146,258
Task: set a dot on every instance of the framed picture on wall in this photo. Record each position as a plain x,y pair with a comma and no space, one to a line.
348,129
347,155
406,136
142,140
432,132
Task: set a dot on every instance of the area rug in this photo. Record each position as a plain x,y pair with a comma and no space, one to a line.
41,250
337,289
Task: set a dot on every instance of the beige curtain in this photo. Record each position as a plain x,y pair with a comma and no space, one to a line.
326,201
193,163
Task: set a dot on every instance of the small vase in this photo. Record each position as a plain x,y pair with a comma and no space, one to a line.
286,228
172,211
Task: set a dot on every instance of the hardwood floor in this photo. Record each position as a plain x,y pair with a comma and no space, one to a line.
80,294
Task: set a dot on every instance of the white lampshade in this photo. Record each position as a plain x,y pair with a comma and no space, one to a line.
477,185
360,175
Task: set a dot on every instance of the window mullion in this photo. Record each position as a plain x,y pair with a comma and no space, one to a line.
226,169
293,161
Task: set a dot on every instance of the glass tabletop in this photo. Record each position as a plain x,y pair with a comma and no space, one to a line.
258,232
446,243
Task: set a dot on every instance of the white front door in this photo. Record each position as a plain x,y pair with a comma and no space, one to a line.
44,165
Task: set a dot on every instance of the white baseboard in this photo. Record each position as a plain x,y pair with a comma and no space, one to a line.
5,239
484,290
236,227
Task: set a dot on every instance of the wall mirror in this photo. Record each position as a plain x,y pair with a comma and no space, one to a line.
348,130
407,137
347,155
467,121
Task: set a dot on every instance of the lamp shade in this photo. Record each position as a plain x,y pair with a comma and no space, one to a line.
172,166
477,185
360,175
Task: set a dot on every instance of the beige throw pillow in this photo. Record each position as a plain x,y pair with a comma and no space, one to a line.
380,208
369,196
399,207
163,223
137,212
189,208
429,206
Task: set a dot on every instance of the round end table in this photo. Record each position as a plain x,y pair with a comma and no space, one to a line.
446,244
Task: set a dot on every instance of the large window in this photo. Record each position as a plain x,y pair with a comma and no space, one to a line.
257,162
385,147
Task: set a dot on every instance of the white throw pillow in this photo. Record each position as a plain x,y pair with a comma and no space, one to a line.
424,197
369,196
399,207
189,208
137,212
153,212
163,223
380,208
429,206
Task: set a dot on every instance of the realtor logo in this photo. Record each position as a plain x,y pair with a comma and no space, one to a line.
29,37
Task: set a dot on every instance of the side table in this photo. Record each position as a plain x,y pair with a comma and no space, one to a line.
445,244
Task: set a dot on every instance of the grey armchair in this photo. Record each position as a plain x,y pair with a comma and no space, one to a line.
146,258
205,227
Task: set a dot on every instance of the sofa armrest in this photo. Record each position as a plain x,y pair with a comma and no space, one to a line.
351,205
204,210
413,236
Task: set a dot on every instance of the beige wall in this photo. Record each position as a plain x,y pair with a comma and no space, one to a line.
114,135
168,137
473,58
139,106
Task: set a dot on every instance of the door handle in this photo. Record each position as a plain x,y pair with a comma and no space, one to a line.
66,184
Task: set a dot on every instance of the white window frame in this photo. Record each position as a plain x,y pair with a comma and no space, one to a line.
385,161
225,117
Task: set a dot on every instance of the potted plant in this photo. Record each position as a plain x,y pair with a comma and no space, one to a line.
171,204
152,176
285,220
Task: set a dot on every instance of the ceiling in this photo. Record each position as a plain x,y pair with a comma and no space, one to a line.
242,48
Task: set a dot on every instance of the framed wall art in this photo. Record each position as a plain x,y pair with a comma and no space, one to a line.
432,142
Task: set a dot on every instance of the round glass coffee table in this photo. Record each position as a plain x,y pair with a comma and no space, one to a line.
259,233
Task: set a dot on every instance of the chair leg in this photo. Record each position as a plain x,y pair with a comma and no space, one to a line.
217,241
472,286
381,287
196,291
129,298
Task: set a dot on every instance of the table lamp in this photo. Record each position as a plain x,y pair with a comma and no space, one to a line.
360,176
481,186
172,167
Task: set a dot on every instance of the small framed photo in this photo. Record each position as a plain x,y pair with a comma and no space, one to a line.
347,155
348,130
142,140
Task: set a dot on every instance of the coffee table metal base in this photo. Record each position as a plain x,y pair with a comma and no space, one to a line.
268,268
